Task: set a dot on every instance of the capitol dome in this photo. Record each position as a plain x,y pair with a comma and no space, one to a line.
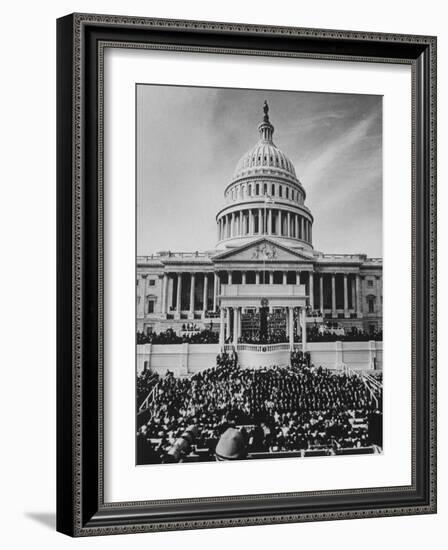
265,157
265,197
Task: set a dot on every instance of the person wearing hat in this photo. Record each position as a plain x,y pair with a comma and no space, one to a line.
231,446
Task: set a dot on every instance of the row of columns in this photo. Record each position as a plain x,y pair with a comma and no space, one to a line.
356,291
264,222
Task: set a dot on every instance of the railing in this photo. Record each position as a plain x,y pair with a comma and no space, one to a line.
149,399
171,254
374,387
343,256
263,347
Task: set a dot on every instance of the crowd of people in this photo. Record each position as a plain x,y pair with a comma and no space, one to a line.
169,336
275,409
328,333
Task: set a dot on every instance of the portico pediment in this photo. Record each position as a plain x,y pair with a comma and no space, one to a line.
263,250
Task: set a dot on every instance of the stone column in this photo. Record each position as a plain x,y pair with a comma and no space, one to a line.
179,293
311,285
239,322
378,296
303,323
143,292
251,222
291,328
228,323
288,218
297,277
232,225
164,292
296,226
352,288
257,277
243,278
215,291
333,295
321,292
285,277
302,228
271,277
260,223
229,275
358,296
221,330
192,288
205,295
269,231
235,326
345,297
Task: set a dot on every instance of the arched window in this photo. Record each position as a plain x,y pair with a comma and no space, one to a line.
287,192
280,191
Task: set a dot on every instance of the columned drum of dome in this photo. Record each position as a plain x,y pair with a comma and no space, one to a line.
265,197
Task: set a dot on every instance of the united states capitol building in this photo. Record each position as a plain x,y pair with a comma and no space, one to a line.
263,260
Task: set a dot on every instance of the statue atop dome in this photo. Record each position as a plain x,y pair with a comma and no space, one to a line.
266,111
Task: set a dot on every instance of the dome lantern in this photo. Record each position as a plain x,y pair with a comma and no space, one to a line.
265,128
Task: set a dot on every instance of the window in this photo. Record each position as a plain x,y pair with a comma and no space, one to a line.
371,303
287,192
257,189
152,282
273,190
370,283
265,189
280,191
150,306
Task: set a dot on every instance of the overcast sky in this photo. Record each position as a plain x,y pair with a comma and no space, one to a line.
189,141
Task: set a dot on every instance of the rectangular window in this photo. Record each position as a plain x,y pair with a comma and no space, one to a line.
257,189
152,282
151,306
280,191
370,283
273,190
287,192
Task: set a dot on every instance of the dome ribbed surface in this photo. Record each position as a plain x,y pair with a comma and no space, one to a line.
264,157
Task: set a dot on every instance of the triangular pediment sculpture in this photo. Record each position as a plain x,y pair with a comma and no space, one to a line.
262,250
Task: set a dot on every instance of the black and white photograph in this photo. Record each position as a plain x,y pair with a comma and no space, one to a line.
258,274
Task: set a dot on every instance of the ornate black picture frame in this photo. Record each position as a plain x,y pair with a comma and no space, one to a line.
81,40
